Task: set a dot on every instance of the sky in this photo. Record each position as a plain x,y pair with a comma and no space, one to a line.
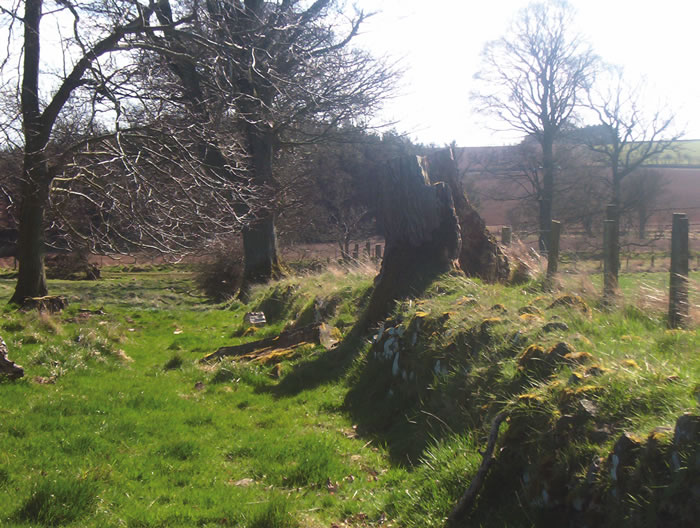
439,43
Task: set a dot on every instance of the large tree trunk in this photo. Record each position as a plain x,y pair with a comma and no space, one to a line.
480,256
35,177
260,238
31,280
421,230
427,223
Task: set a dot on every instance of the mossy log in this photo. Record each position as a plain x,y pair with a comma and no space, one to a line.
8,368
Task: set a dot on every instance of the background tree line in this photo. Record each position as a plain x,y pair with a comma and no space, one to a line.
177,112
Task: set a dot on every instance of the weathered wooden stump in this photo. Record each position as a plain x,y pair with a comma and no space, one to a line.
429,226
480,255
506,235
8,368
48,303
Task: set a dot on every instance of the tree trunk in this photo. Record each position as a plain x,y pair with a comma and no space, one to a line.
260,238
642,213
480,256
260,250
7,367
34,191
545,216
427,223
421,230
31,279
612,212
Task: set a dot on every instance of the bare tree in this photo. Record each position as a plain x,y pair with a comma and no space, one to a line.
283,64
532,80
74,113
512,175
39,113
170,89
636,135
642,191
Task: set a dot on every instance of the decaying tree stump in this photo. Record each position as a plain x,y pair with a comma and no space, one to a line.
7,367
480,256
428,224
48,303
421,230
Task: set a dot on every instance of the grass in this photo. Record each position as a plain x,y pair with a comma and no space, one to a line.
116,423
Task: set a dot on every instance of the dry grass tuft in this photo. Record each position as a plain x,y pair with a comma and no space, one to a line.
525,261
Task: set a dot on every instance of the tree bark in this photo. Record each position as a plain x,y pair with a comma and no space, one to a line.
260,238
421,230
36,179
480,255
547,189
7,367
310,334
31,279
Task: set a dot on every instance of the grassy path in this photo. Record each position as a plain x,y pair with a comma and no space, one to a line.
148,438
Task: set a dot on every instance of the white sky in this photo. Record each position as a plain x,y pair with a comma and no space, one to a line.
440,42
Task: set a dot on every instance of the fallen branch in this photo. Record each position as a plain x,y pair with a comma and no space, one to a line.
467,500
310,334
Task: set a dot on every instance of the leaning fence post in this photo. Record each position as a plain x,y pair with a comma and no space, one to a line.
506,235
609,261
553,254
678,294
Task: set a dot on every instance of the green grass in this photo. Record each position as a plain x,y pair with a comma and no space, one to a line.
116,423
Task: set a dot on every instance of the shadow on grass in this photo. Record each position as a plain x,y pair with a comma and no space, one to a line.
328,367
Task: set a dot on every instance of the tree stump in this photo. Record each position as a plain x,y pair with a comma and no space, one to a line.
429,226
48,303
7,367
421,231
480,255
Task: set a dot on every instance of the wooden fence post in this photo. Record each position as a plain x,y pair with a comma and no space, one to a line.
368,249
553,253
609,261
356,252
611,213
506,235
378,252
678,294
